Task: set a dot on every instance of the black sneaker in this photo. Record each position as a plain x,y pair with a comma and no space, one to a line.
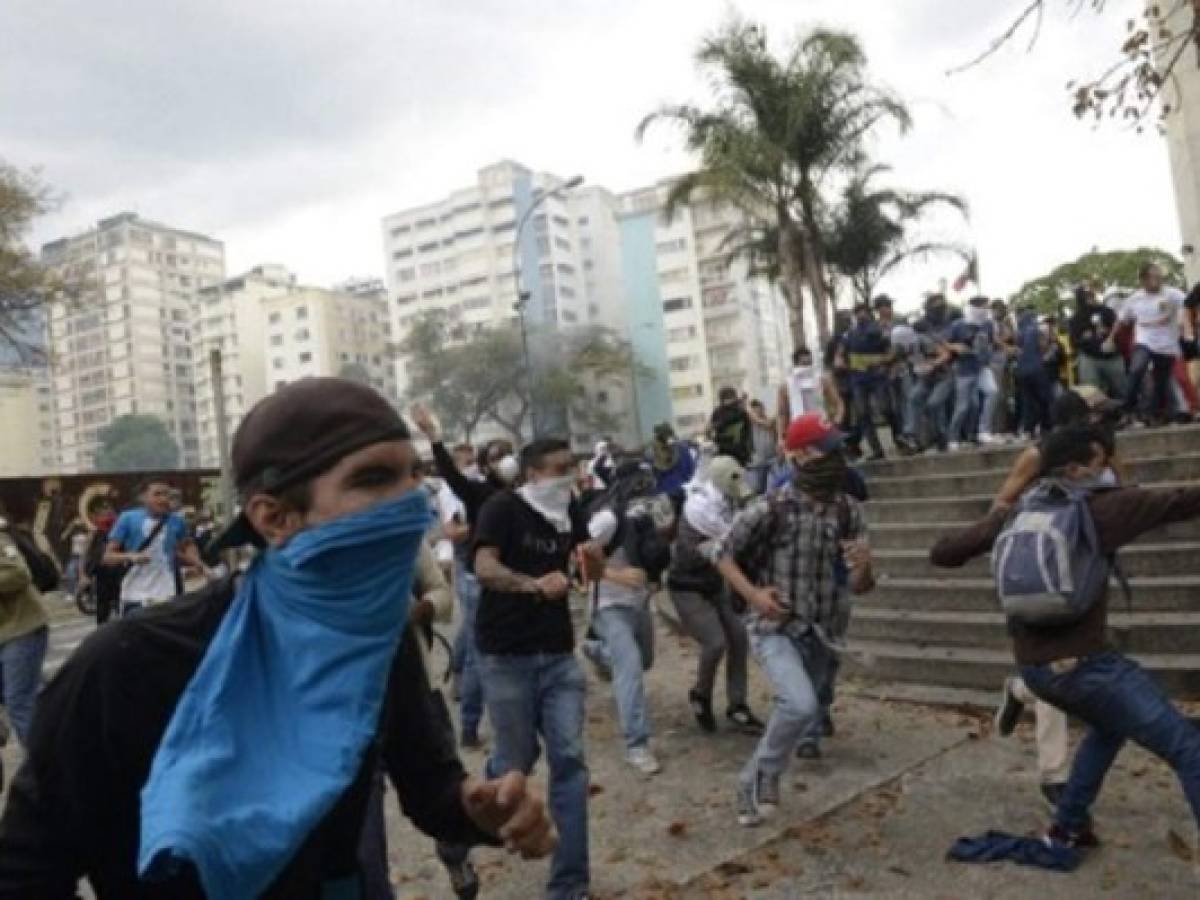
808,749
1052,794
1009,712
1081,839
464,880
743,720
702,709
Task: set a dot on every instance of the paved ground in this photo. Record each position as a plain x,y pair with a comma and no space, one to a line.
873,819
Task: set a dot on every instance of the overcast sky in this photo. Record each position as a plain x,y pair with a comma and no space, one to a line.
289,129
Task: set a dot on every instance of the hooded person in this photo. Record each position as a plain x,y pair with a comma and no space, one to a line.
705,608
243,767
673,462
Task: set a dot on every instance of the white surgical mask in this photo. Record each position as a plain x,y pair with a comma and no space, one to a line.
551,498
508,469
977,315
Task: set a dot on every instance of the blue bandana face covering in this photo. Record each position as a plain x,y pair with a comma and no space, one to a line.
274,725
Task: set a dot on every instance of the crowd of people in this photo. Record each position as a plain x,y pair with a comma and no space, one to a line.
948,378
292,687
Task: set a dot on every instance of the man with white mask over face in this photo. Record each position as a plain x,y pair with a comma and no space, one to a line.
971,340
533,684
497,469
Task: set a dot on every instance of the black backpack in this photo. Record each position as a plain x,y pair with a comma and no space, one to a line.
42,569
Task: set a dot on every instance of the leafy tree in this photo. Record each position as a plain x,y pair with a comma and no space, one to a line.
136,443
870,233
468,377
781,130
1151,48
1117,268
25,284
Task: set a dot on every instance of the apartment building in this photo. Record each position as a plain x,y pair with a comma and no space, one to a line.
228,317
313,331
591,257
27,422
126,346
720,327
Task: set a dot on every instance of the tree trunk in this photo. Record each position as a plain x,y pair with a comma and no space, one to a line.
810,260
791,283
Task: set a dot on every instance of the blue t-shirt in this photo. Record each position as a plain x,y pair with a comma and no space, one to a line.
1029,355
978,339
153,580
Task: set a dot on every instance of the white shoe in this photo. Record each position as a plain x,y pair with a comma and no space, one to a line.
953,447
986,438
643,760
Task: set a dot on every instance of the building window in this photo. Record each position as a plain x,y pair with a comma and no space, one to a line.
406,274
277,340
686,333
301,312
302,334
675,304
687,392
306,357
277,363
684,363
676,246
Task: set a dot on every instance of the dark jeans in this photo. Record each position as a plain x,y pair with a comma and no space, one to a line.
1120,701
1037,400
1160,365
372,845
21,672
870,392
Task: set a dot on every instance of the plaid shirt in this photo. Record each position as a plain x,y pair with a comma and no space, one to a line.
804,542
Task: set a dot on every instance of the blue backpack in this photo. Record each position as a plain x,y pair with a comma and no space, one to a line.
1047,562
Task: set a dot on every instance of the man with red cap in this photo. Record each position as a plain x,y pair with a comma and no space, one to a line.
781,555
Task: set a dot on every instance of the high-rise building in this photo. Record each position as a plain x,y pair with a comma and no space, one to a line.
707,322
695,322
27,422
314,331
126,346
229,317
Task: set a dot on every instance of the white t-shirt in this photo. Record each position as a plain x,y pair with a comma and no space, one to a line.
1156,319
601,528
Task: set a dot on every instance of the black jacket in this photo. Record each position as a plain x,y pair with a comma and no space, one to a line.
1085,328
73,810
733,432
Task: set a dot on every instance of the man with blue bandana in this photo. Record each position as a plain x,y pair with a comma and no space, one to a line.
224,745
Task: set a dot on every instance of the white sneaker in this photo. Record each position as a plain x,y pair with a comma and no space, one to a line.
643,760
987,438
953,447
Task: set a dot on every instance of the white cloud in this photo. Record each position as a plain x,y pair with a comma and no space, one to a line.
289,129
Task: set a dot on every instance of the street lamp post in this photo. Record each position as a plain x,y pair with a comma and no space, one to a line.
523,295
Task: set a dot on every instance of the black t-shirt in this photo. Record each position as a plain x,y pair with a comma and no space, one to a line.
523,624
73,810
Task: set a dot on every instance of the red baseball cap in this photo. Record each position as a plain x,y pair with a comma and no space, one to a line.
813,430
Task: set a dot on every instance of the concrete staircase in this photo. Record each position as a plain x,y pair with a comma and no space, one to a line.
941,629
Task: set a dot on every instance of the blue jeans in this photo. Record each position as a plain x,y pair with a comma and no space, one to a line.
466,655
543,694
1120,701
795,705
628,635
966,406
21,671
928,402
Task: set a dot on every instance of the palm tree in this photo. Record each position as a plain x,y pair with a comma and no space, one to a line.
870,232
780,131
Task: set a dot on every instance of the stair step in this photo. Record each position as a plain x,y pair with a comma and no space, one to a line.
1178,558
986,668
968,508
1150,594
923,535
1132,444
1174,467
1139,632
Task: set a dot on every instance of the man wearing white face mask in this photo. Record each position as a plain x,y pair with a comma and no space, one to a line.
971,340
498,469
533,684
